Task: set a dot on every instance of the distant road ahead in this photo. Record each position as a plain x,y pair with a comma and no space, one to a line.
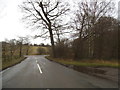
38,72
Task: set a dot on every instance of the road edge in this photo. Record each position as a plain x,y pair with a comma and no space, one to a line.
70,66
22,59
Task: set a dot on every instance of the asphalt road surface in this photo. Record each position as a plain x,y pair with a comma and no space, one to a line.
38,72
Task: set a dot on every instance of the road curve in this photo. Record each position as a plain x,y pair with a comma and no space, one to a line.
38,72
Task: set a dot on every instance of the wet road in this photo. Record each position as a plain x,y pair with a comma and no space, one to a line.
38,72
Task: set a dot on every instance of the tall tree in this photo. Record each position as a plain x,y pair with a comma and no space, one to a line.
86,17
106,38
43,13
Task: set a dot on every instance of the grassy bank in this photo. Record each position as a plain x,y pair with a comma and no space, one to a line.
11,63
34,50
88,63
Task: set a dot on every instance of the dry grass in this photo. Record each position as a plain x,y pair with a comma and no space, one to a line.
33,50
93,63
11,63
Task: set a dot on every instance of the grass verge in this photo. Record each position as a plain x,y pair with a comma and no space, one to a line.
88,63
6,65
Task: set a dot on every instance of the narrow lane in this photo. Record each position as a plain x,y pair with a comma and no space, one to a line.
38,72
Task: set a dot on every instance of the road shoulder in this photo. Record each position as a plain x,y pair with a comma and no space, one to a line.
109,73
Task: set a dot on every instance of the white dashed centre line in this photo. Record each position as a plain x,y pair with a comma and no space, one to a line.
39,68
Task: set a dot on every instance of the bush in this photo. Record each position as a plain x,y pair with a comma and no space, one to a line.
41,51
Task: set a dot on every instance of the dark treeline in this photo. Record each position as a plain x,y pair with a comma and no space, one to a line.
102,43
96,33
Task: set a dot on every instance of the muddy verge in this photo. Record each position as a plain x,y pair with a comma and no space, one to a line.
89,70
101,72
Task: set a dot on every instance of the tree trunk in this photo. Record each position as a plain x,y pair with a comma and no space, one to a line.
20,50
27,50
52,42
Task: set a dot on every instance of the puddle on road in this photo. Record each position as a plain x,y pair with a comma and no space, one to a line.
88,70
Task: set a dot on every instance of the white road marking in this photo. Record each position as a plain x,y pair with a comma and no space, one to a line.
39,68
36,61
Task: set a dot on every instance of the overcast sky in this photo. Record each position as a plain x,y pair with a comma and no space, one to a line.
11,25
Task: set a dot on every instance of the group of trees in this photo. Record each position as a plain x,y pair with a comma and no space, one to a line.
102,43
13,49
95,29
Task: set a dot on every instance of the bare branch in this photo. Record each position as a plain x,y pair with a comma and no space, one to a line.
53,8
36,36
39,13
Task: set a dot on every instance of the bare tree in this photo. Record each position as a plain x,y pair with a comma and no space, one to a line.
41,51
60,29
27,42
106,38
4,50
42,14
89,12
86,17
12,47
20,43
